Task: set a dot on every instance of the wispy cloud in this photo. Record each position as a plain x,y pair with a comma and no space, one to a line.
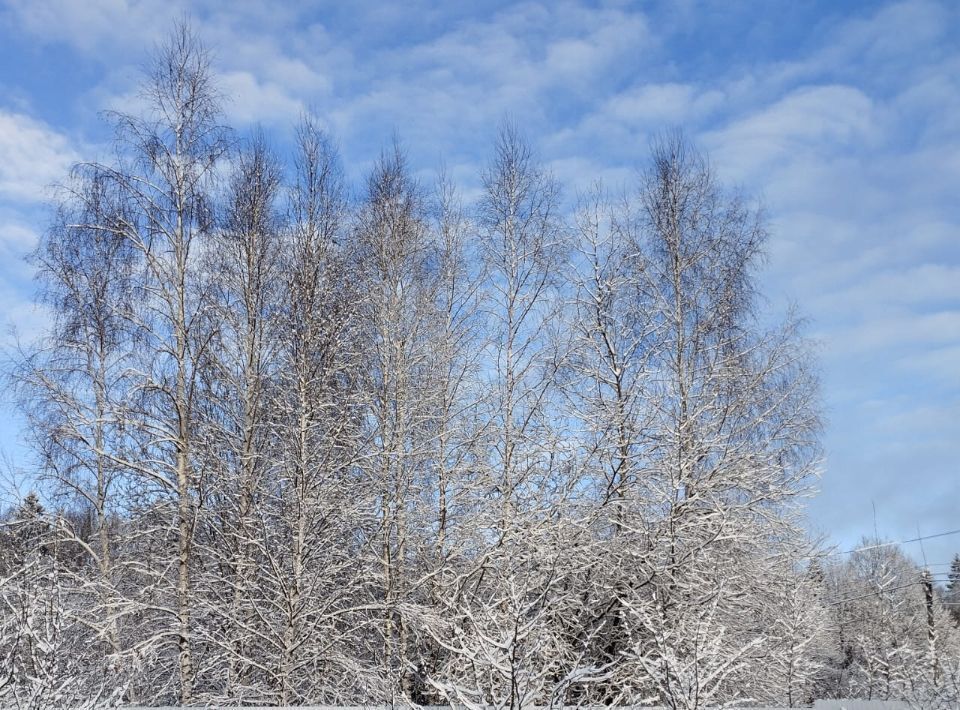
34,157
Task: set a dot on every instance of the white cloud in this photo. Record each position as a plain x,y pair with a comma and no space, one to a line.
896,29
926,284
86,25
882,334
581,174
250,43
34,157
616,134
526,61
807,125
16,239
250,100
883,48
660,104
21,321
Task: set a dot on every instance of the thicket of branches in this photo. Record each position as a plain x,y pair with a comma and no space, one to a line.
303,447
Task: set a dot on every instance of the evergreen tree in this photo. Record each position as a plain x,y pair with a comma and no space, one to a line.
952,597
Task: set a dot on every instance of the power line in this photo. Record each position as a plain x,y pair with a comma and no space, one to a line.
874,593
890,544
857,585
878,592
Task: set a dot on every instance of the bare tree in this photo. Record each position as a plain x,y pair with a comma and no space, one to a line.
607,376
444,540
399,265
313,587
503,650
166,165
729,441
74,387
236,423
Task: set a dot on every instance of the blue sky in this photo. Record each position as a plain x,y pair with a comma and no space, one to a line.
844,118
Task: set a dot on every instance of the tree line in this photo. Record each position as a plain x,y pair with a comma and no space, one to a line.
302,443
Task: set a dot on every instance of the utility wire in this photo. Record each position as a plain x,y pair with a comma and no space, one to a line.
874,593
890,544
877,592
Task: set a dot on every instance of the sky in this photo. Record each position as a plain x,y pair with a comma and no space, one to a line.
842,118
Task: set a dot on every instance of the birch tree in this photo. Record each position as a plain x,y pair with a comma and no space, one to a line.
50,655
165,169
446,540
74,386
398,313
612,336
316,608
732,431
504,652
236,419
